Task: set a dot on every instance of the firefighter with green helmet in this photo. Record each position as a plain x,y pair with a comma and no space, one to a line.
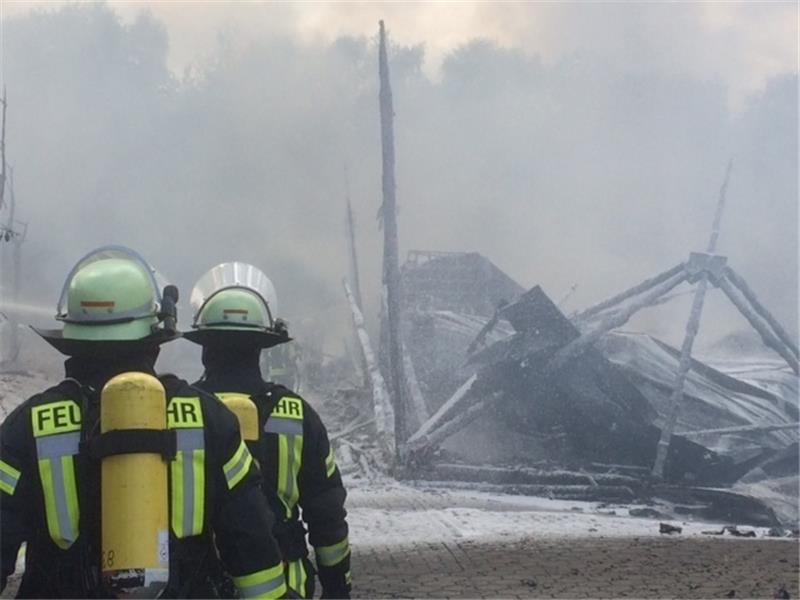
234,321
209,513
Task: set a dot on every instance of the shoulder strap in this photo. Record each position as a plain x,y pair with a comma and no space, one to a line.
269,396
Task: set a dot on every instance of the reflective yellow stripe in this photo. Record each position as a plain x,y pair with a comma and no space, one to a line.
54,453
329,556
56,430
199,476
60,499
238,466
284,473
330,464
290,579
176,479
71,489
303,578
290,456
269,583
187,477
9,477
296,576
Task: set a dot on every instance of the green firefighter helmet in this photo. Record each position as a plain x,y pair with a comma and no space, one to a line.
113,295
234,303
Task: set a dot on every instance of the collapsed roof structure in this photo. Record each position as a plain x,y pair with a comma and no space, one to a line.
500,395
517,393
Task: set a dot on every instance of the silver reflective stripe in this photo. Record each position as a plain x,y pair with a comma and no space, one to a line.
332,555
285,426
64,524
188,491
8,479
56,446
234,470
190,439
262,588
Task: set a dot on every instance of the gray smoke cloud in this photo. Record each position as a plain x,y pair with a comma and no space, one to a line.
590,168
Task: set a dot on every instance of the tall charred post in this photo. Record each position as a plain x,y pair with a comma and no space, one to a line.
391,262
4,103
692,327
351,237
17,238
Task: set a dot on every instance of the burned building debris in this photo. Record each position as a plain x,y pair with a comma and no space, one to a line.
509,411
494,385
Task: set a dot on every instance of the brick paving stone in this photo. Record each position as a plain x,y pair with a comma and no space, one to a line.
643,567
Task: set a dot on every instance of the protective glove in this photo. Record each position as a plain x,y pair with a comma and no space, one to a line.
335,580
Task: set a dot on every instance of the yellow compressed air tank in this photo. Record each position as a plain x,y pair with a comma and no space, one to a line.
135,535
246,412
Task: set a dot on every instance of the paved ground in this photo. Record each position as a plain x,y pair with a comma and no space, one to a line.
443,543
642,567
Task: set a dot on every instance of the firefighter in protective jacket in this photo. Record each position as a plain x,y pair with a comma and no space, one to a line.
115,314
234,321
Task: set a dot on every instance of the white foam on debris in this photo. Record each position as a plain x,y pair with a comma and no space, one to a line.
386,514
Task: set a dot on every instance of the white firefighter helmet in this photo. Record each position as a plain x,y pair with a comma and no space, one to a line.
235,302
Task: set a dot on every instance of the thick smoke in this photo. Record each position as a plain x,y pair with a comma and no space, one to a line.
588,170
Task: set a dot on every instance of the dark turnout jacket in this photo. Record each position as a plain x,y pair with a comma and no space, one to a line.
50,495
297,464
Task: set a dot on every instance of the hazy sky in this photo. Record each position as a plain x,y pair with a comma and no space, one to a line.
741,44
570,143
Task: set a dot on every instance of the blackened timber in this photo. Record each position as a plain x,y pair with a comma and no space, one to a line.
391,261
578,346
692,327
457,400
761,326
630,293
760,309
16,282
351,236
4,103
456,424
382,408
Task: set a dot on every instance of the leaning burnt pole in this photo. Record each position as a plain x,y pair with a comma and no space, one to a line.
692,328
391,262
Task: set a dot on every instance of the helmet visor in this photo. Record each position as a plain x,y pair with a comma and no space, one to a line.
157,282
234,275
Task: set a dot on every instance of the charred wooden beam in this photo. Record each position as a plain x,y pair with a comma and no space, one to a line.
741,429
453,426
577,493
646,285
456,400
351,236
760,325
527,475
381,405
579,345
419,409
391,259
692,327
760,309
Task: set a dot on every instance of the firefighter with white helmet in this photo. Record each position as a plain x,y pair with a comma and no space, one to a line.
121,482
235,306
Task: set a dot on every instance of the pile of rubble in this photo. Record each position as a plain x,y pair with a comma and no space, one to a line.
520,397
